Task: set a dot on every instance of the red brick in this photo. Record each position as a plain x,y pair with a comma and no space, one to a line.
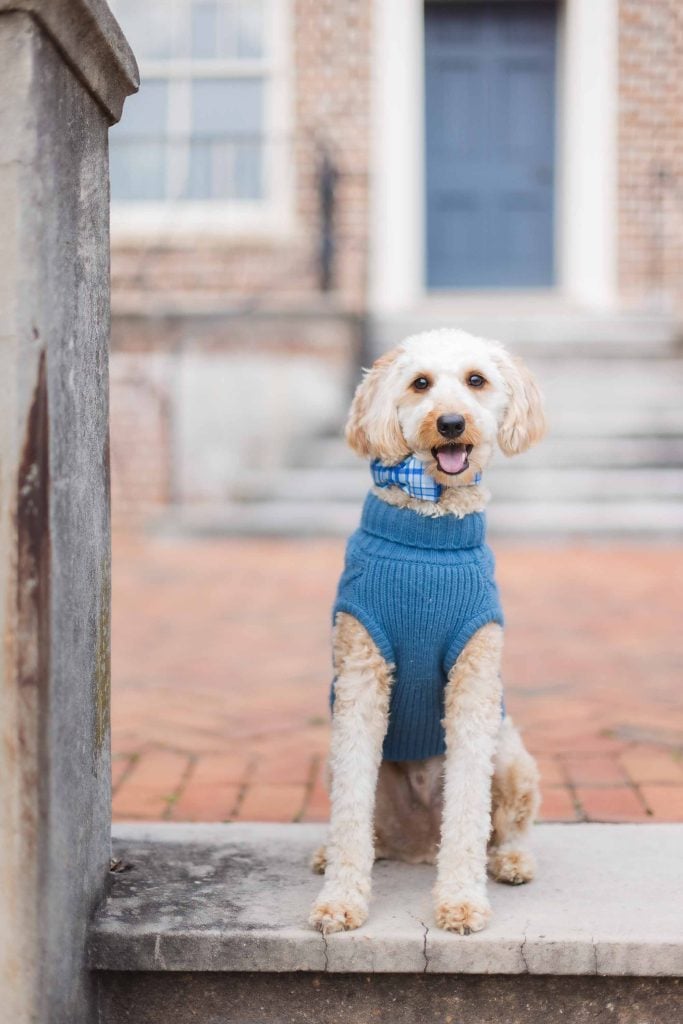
236,664
284,762
151,786
651,764
206,802
665,802
594,770
119,766
272,803
212,789
317,807
611,803
557,805
551,771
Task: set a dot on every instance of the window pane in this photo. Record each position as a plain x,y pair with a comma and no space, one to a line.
226,146
154,28
204,28
224,169
229,106
137,170
249,30
137,146
145,112
227,29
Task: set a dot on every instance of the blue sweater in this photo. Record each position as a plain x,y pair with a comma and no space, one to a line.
422,587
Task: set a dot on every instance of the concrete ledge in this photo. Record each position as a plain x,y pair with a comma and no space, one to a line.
236,898
302,998
89,37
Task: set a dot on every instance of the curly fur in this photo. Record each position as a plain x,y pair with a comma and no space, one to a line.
471,809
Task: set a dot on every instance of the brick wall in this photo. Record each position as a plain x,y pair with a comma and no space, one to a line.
141,424
650,139
331,99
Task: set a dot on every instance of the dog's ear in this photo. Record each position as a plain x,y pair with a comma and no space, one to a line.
523,422
373,429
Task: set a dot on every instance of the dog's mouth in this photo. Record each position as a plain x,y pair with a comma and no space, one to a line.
452,458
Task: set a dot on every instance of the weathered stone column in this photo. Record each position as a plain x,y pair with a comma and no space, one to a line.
65,70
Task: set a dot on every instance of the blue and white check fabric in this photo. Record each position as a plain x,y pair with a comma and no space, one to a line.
411,477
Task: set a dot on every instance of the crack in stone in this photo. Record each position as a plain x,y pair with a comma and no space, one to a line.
158,958
523,954
325,953
424,947
522,948
595,954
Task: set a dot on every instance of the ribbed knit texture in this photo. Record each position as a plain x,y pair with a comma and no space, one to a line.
421,586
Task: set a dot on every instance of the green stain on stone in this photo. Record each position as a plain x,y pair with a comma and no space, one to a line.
102,675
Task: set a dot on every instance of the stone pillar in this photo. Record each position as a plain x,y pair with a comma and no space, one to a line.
65,70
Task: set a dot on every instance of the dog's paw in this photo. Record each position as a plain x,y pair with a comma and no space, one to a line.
514,867
462,915
338,915
319,861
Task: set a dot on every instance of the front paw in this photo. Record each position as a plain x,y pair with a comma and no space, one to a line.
514,867
464,915
339,914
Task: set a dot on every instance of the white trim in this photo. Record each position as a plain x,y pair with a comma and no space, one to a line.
166,222
586,162
587,151
397,156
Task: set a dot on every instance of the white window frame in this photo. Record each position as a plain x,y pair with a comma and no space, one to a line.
166,221
586,210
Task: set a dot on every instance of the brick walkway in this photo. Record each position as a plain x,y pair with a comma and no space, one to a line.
221,668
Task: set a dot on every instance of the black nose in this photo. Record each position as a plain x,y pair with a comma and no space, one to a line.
450,425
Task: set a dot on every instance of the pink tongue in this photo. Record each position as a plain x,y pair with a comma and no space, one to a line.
452,460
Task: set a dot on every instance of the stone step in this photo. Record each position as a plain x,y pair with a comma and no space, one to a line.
537,519
329,454
542,328
506,481
232,900
645,452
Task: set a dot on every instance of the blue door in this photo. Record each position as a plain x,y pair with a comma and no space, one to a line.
490,111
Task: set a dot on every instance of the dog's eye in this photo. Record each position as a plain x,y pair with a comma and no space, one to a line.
420,384
475,380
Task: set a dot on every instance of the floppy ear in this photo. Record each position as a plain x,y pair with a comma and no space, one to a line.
373,429
523,422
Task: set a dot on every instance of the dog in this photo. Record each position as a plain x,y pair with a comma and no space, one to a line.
425,765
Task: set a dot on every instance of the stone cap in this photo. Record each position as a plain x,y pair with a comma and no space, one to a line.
89,37
236,897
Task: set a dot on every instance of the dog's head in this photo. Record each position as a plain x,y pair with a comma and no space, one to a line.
446,397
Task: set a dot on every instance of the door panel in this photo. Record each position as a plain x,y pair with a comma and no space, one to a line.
490,107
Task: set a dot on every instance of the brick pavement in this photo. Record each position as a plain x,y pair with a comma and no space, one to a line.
221,668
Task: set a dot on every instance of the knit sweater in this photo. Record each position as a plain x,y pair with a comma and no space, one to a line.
421,586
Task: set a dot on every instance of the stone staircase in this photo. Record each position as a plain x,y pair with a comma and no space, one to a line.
208,923
611,465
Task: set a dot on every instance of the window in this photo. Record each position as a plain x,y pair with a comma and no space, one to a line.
204,142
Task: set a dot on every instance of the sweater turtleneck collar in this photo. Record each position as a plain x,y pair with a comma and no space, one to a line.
404,526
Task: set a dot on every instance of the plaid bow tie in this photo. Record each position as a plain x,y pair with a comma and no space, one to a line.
411,477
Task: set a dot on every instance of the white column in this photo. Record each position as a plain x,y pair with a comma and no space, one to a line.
587,152
397,169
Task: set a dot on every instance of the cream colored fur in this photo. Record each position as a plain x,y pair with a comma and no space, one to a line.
473,807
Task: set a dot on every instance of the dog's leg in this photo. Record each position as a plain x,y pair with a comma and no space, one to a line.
359,723
471,722
515,798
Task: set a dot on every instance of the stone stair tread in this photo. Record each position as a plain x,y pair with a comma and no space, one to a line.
578,451
235,897
527,483
547,328
542,519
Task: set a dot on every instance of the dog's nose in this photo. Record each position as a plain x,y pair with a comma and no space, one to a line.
450,425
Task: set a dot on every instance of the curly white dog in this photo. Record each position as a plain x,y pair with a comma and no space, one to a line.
425,765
